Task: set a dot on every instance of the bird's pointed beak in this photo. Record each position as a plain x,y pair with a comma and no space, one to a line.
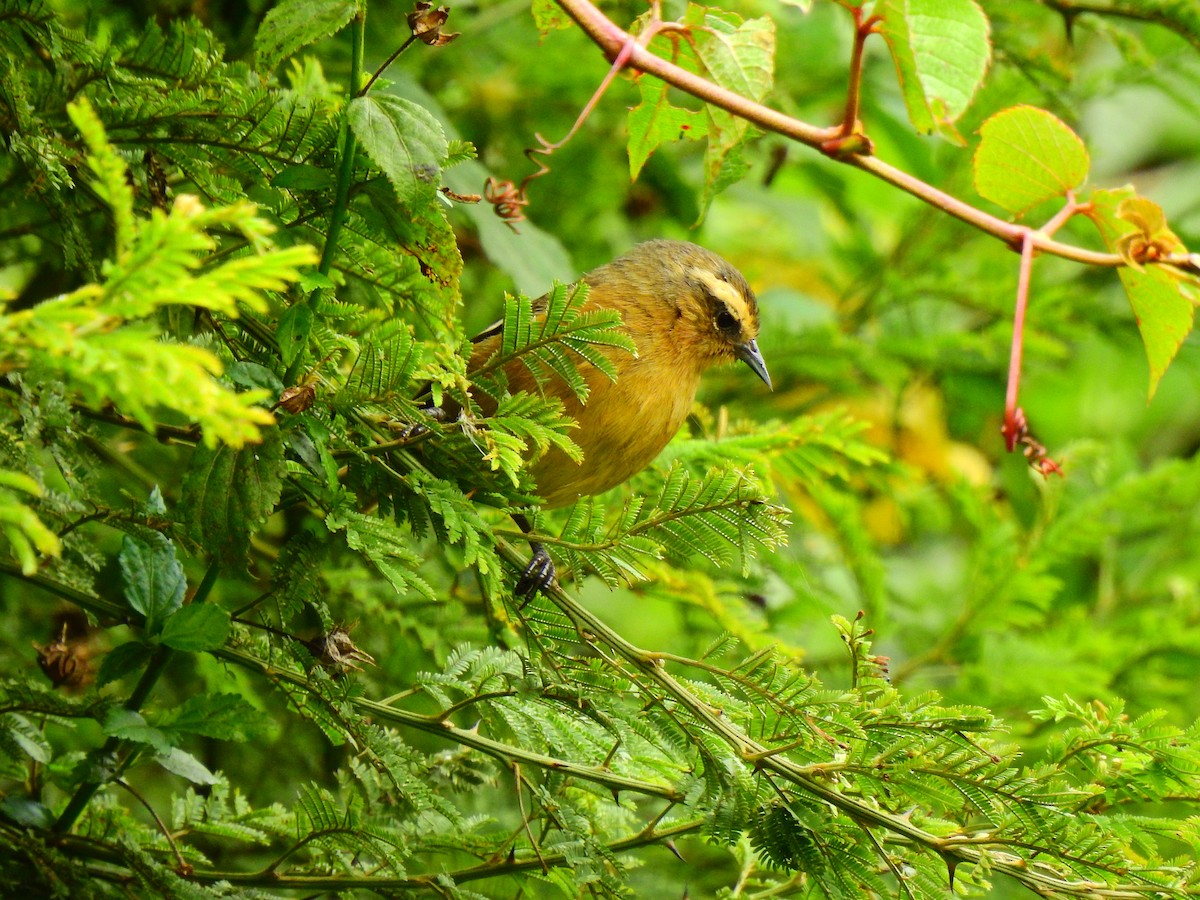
748,353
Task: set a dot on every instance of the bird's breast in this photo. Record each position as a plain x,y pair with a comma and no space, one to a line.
623,426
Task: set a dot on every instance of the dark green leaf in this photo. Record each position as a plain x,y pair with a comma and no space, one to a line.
293,24
121,660
130,726
26,812
228,494
304,177
225,717
403,139
295,325
154,579
200,626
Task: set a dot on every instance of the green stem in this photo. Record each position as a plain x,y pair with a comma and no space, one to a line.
391,59
337,215
154,669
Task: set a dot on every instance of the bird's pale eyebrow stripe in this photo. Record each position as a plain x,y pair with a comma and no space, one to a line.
725,292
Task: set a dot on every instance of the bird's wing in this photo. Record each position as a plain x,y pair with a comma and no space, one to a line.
497,327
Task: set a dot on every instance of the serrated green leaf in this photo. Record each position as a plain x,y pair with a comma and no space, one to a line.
1027,156
739,55
403,139
223,717
656,121
154,579
131,726
292,24
229,493
942,50
1164,314
196,627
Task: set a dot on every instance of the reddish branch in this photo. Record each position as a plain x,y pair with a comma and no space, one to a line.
612,40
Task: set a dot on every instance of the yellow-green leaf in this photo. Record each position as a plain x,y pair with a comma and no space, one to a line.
1161,301
942,50
1027,156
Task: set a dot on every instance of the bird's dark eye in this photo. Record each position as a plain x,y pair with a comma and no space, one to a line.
726,321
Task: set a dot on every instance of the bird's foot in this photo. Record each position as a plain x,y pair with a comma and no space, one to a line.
411,431
538,575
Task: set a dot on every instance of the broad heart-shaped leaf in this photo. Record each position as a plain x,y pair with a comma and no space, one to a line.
228,494
201,626
154,579
942,51
655,121
739,55
1027,156
403,139
1162,303
292,24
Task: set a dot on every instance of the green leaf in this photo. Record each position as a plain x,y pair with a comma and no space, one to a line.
385,546
1161,301
121,660
537,333
385,363
201,626
304,177
26,533
26,812
113,181
293,330
403,139
1027,156
154,579
292,24
738,55
656,121
223,717
182,763
1164,317
941,50
549,16
131,726
229,493
25,736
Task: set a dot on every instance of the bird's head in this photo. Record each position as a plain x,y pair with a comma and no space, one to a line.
714,308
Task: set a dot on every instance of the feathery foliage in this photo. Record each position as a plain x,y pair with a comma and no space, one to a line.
275,648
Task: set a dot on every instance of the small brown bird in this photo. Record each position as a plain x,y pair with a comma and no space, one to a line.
686,310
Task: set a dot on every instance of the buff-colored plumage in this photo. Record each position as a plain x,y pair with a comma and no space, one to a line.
687,310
